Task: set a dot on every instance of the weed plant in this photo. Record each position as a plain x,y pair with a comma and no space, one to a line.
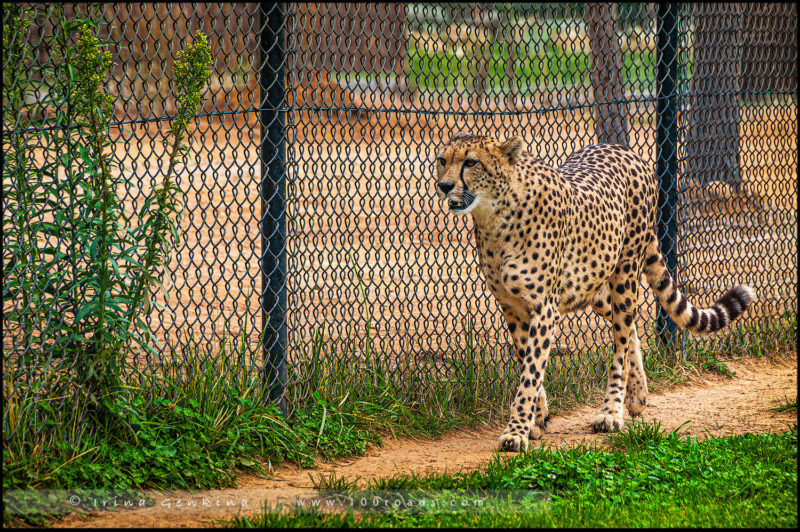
78,269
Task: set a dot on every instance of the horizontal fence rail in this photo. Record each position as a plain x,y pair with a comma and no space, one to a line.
311,241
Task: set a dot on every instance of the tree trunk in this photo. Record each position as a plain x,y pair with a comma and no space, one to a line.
355,37
511,39
485,26
769,48
607,81
712,139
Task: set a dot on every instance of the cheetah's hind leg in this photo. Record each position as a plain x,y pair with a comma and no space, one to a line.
636,388
542,412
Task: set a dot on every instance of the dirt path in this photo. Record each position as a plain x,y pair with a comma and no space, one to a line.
713,404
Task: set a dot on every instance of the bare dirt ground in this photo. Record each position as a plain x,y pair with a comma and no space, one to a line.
360,203
713,405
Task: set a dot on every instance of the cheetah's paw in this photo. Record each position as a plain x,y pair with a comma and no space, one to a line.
513,443
607,422
635,403
541,420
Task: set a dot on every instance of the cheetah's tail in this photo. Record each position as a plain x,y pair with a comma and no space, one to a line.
697,321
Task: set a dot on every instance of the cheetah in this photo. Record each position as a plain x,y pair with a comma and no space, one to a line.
553,241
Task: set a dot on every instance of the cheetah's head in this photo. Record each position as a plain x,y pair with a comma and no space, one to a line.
472,172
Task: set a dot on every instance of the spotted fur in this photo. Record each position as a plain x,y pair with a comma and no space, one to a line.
552,241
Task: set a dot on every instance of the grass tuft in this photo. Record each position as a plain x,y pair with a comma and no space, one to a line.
718,366
785,405
639,434
332,482
745,480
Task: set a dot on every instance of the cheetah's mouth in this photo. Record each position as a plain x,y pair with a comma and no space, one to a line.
462,206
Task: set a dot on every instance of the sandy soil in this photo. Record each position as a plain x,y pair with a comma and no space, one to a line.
712,404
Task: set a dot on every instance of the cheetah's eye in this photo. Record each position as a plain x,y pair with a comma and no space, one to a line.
469,163
441,161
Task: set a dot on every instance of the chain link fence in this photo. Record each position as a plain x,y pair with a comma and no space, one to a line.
311,227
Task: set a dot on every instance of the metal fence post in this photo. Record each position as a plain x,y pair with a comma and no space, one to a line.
273,201
667,154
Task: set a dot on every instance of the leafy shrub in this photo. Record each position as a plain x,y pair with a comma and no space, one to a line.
78,268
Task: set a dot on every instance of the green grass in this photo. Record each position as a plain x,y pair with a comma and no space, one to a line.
548,67
639,435
197,424
193,425
662,480
544,65
718,366
786,405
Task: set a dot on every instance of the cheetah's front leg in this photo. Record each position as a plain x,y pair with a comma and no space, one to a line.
532,341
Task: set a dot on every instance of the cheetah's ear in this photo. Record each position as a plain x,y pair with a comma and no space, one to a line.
512,148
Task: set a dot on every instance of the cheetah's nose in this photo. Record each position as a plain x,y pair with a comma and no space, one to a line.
445,186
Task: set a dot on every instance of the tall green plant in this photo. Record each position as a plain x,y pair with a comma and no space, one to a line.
19,250
36,121
95,262
192,71
104,229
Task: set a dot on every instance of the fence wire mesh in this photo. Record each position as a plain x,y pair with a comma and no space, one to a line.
310,214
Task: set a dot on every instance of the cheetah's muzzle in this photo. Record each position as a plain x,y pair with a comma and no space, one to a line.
460,206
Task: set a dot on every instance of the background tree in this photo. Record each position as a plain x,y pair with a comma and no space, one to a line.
769,54
512,38
712,138
486,23
607,82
